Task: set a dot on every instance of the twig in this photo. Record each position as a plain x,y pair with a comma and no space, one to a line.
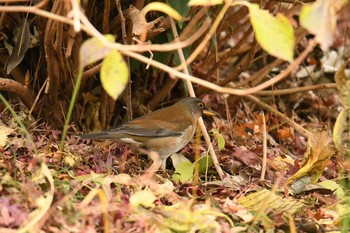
37,96
162,92
122,21
259,75
13,1
129,51
229,54
75,15
225,90
200,121
294,1
18,89
125,41
207,38
296,89
295,125
263,169
188,30
92,71
87,28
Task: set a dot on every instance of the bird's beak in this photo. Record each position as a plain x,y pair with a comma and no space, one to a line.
209,112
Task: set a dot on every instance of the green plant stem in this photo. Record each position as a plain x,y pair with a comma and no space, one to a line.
71,106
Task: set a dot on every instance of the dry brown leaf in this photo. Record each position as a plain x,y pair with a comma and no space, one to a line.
139,22
316,158
248,158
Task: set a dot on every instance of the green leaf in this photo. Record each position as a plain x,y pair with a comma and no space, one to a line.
274,34
183,172
221,141
93,50
220,138
114,74
204,163
332,185
319,19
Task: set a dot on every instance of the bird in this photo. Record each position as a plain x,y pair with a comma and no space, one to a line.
165,131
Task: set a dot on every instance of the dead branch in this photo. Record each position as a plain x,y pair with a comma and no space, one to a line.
19,90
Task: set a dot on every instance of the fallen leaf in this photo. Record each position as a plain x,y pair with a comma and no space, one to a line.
4,133
316,158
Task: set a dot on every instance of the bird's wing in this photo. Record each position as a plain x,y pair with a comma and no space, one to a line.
145,128
151,125
147,132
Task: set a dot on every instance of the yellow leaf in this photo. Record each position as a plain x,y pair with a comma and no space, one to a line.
340,126
274,34
162,7
264,199
205,2
114,74
319,19
93,50
143,197
343,84
339,129
316,158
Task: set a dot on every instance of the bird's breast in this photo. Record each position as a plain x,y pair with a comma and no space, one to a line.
166,146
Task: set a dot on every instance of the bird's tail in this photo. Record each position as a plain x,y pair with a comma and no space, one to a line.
99,136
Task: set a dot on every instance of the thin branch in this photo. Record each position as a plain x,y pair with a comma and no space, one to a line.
129,51
92,71
127,94
294,1
263,169
208,36
225,90
294,90
200,121
292,123
89,29
19,90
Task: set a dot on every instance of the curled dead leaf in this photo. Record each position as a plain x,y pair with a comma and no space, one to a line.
319,151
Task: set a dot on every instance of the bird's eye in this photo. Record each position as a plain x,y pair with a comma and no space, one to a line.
200,105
